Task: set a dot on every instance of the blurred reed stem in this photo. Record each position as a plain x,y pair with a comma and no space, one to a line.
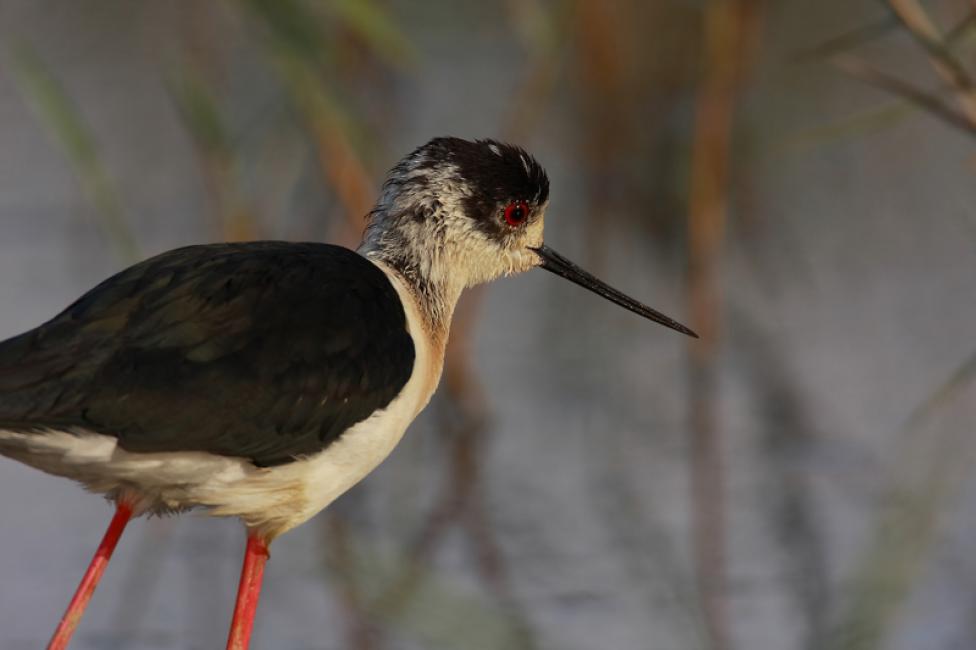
301,43
908,100
731,33
204,122
342,563
66,125
927,101
343,168
600,29
907,526
934,461
917,22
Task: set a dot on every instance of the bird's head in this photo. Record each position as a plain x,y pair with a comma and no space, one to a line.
462,212
456,213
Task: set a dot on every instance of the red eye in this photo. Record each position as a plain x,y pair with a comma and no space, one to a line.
516,213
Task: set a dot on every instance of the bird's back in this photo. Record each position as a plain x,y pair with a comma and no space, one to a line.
265,350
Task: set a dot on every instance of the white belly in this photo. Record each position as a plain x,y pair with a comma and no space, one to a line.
270,500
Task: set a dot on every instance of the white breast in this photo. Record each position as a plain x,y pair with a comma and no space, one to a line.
270,500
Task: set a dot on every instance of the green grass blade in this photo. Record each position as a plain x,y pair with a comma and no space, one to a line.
373,24
59,116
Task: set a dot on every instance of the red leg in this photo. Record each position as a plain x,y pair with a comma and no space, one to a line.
76,608
248,592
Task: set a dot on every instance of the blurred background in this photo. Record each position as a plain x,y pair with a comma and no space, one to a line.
793,179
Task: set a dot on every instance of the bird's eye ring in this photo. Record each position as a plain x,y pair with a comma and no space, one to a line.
516,213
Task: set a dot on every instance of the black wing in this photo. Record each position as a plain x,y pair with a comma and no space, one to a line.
265,350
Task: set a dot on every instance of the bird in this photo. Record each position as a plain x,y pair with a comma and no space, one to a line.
261,380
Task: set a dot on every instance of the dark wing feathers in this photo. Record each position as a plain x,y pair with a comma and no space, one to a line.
266,350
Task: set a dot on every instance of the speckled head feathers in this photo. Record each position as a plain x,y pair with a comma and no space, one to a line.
444,216
495,172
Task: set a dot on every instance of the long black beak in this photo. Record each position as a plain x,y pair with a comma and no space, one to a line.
556,263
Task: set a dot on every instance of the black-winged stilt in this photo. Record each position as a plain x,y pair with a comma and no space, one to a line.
262,380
